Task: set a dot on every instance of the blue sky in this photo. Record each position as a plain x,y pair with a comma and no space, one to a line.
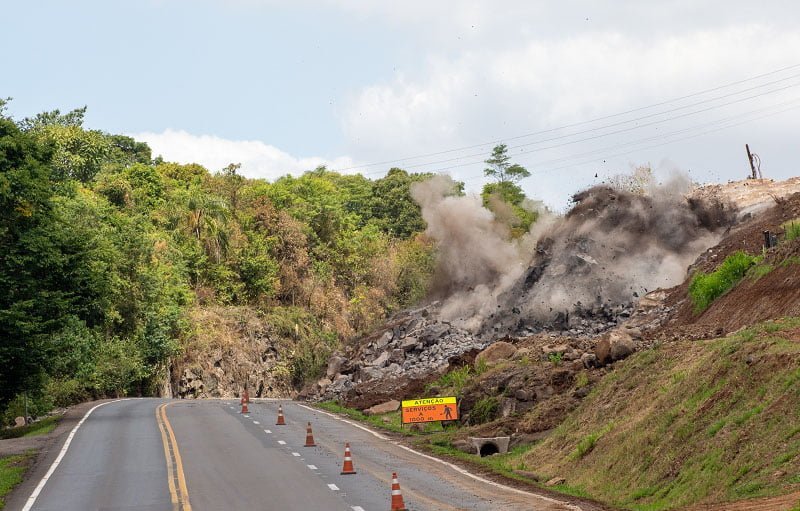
284,86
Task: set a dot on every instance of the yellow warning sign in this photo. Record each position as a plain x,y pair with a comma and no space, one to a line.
429,409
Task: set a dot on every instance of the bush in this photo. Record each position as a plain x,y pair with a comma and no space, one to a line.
792,229
485,410
707,287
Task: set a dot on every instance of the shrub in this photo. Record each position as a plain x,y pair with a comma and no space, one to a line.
707,287
485,410
792,229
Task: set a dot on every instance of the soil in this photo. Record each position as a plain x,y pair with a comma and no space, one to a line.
782,503
775,295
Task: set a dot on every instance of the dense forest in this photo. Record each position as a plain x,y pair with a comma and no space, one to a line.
105,250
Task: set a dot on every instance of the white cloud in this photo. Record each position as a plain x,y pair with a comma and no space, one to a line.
482,94
259,160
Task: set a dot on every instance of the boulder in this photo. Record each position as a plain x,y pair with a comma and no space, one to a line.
602,351
409,344
397,356
381,361
335,364
497,352
555,481
621,345
386,407
384,340
525,394
589,360
19,421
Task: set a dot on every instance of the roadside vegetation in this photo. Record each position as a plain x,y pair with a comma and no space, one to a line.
12,469
41,427
387,421
707,287
112,250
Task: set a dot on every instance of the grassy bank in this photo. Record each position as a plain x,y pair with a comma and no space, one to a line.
41,427
709,421
12,468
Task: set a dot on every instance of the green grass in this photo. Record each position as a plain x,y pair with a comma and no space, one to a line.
12,468
587,443
722,430
454,380
707,287
792,229
41,427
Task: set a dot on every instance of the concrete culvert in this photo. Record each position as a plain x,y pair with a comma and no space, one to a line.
489,448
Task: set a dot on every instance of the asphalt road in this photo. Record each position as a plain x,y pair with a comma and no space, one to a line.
149,454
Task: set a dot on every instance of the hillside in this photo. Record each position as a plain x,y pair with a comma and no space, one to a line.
649,404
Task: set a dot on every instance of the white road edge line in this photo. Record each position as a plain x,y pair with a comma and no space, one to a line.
333,487
447,464
32,499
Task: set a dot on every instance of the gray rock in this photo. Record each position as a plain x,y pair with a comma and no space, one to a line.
381,361
384,340
409,344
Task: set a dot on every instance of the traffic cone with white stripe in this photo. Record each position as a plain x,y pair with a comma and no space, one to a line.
244,407
281,421
309,437
397,497
347,468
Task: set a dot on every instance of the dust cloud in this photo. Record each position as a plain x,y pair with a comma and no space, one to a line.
611,247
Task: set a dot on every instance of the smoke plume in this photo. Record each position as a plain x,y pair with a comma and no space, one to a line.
611,247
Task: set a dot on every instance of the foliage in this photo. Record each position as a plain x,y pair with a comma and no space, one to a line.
792,229
707,287
41,427
501,169
485,410
109,251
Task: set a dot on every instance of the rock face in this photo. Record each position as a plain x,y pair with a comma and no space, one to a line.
235,349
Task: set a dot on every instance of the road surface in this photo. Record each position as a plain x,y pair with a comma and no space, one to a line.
151,454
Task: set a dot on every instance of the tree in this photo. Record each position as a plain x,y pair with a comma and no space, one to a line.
501,169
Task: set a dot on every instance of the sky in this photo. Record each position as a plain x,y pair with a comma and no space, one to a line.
579,90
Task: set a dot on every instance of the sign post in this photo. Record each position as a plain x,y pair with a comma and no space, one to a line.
429,409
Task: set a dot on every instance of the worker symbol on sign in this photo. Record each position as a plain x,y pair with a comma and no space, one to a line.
448,413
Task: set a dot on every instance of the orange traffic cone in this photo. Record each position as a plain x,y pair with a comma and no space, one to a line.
309,437
280,422
348,461
246,396
397,497
244,407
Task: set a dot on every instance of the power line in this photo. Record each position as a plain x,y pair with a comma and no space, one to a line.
595,137
652,146
550,130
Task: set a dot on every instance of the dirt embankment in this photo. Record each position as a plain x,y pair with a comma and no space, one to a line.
773,294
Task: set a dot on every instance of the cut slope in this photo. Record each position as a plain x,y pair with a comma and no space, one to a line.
772,293
688,422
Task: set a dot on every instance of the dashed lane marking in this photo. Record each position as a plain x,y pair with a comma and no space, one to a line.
267,431
445,463
296,454
357,508
312,467
333,487
256,423
281,442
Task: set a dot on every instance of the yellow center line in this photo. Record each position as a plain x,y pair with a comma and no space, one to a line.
175,471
